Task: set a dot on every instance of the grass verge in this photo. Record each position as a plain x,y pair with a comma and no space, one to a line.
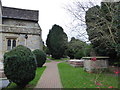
32,84
62,59
77,78
49,57
48,61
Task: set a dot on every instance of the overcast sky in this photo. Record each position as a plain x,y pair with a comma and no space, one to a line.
50,12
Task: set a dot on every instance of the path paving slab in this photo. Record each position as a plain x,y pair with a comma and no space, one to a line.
50,77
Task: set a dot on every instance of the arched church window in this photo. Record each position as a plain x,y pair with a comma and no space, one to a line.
9,44
14,43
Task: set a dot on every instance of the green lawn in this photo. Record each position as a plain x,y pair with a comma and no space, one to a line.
48,61
49,57
77,78
33,83
62,59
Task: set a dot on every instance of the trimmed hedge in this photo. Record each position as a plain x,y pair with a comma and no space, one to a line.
20,65
40,57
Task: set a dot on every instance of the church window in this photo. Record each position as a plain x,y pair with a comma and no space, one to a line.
14,43
11,43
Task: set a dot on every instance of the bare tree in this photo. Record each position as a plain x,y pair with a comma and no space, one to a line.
78,10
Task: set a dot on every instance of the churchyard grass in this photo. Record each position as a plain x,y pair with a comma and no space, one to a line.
49,57
48,61
62,59
33,83
72,77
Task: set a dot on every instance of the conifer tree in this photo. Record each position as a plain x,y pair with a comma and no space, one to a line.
57,41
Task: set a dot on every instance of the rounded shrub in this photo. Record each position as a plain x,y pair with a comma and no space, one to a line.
40,57
20,65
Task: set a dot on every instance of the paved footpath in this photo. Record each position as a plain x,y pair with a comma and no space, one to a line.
50,77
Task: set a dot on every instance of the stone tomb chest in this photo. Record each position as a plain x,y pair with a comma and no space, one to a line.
76,63
99,63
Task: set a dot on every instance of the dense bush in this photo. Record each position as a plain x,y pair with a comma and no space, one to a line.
118,55
20,65
76,46
70,53
46,50
87,49
79,54
40,57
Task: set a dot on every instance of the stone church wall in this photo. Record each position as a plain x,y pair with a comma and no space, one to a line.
11,28
1,54
19,28
33,41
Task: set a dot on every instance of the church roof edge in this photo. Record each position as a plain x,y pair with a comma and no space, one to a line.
17,13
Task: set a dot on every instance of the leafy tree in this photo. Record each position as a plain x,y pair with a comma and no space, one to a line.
101,28
46,50
57,41
79,54
103,25
117,34
77,49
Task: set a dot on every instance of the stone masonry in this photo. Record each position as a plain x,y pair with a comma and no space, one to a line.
16,24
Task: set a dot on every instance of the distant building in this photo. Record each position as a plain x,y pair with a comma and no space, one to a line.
19,27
